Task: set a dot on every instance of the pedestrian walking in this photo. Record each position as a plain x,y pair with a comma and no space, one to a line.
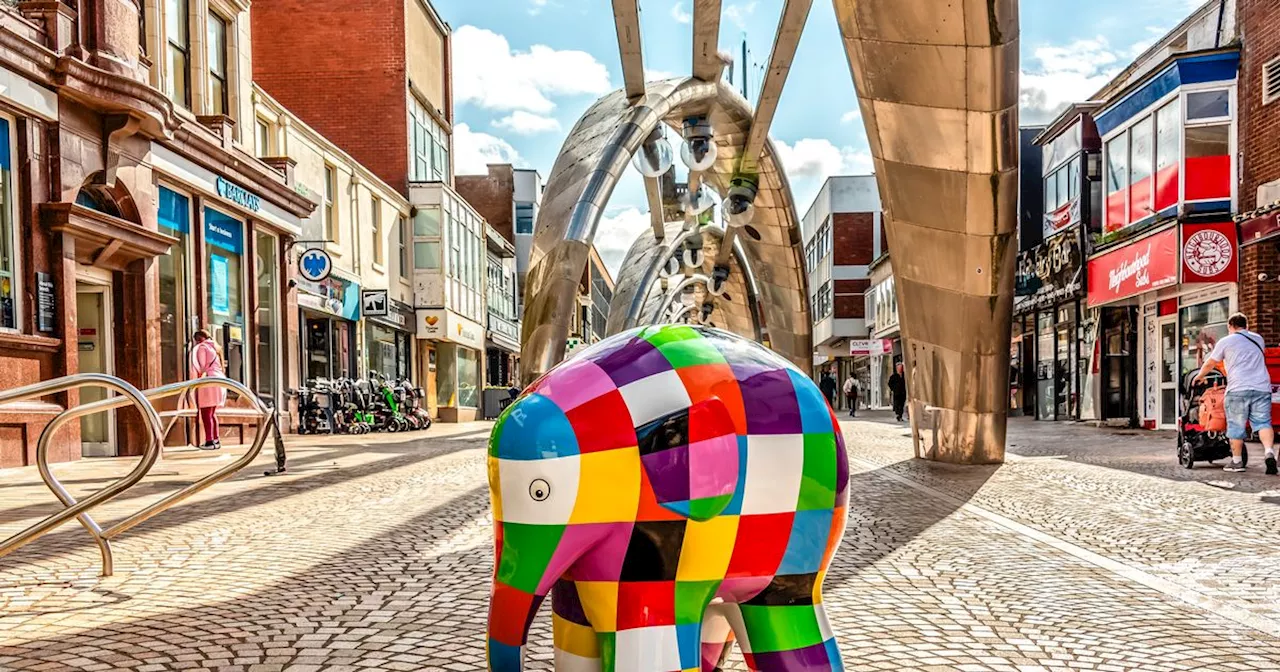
898,390
851,394
1248,400
206,362
828,387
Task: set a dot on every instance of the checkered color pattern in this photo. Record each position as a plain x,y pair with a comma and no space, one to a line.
675,488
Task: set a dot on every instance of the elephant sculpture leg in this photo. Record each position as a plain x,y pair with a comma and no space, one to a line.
577,648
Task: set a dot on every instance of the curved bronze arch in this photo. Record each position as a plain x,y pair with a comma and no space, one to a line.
597,151
937,84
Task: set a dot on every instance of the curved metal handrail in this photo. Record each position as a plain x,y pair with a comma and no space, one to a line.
103,537
130,395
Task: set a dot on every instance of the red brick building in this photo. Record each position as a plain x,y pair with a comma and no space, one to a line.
1259,101
134,212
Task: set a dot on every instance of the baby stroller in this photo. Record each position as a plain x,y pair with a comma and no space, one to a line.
1194,443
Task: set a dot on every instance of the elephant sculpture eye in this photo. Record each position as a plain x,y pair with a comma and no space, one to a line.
539,490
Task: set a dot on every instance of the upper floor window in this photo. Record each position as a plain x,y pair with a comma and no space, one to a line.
376,224
429,160
262,132
217,48
1178,152
178,39
402,246
329,213
524,218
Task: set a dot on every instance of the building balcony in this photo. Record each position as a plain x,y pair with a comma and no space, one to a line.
504,332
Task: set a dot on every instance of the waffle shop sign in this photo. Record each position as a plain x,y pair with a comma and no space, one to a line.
1141,266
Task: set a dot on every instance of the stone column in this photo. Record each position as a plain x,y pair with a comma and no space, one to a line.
938,87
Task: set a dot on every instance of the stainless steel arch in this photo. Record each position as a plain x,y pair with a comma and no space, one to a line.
938,88
597,151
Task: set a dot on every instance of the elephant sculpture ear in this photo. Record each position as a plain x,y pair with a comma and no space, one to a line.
691,459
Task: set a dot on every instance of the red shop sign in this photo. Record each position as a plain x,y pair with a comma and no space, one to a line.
1209,253
1140,266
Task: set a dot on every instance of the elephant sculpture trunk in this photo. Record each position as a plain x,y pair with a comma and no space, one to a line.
508,631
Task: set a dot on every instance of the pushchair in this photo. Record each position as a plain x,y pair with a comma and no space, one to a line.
1194,443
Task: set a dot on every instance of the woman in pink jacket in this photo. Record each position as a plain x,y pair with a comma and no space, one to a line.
206,362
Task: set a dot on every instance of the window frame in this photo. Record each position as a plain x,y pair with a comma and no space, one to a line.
403,242
329,203
1215,87
15,240
184,48
375,227
224,78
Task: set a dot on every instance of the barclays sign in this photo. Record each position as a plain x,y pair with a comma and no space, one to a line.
238,195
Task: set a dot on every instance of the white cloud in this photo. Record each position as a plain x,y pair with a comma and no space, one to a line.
527,123
488,73
679,14
818,158
536,6
851,116
617,231
473,151
1062,75
738,13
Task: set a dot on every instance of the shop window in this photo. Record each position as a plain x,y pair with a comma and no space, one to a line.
1141,153
1208,162
178,38
268,341
330,213
1208,105
216,43
383,355
8,242
446,375
1168,155
174,218
375,207
1117,182
1203,326
524,218
224,308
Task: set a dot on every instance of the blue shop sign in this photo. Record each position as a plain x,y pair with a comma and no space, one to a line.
223,231
238,195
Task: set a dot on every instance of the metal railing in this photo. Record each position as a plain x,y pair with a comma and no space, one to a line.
142,400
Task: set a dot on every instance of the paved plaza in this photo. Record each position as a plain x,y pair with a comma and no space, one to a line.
1090,549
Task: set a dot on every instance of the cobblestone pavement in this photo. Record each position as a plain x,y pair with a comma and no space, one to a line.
1089,549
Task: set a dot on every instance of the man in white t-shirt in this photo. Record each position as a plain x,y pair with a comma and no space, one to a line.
1248,399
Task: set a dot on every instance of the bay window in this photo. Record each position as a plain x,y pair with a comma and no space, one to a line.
429,155
1141,155
1117,182
1207,142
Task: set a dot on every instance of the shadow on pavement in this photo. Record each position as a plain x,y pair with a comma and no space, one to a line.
71,538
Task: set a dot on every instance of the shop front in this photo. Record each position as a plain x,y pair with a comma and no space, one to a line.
452,348
222,276
330,312
1122,281
389,339
1051,342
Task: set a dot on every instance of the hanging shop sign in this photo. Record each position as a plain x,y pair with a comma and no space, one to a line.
334,294
1049,273
399,316
1062,218
1209,253
373,303
238,195
1261,227
315,265
870,347
1141,266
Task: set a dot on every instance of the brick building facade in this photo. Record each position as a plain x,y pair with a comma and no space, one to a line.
1259,100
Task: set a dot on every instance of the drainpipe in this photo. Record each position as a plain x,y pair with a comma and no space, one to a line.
1217,37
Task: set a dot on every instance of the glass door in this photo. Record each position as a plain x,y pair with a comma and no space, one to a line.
1169,372
268,316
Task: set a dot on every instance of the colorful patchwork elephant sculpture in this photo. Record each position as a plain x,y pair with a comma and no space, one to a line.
675,489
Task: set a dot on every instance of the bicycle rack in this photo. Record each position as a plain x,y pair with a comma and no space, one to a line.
142,400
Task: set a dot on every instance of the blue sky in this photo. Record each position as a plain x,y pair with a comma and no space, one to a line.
525,70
